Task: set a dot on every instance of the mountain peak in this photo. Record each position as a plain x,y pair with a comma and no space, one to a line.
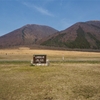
81,35
29,34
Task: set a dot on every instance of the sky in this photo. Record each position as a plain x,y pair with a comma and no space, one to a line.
59,14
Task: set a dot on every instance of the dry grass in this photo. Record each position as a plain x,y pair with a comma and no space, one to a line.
28,53
75,78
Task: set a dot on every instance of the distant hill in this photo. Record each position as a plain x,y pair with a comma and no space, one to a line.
27,35
82,35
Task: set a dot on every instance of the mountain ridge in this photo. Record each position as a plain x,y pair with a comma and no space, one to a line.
81,35
26,35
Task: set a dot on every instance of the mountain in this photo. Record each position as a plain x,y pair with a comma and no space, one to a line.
82,35
27,35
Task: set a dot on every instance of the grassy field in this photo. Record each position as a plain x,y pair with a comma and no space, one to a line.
76,77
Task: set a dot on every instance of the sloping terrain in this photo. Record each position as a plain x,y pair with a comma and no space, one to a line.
26,35
83,35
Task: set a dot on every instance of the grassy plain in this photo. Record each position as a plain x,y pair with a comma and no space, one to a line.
76,77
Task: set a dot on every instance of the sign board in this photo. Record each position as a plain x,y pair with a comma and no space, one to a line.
39,59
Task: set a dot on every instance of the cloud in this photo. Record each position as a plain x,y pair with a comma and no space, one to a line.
39,9
43,11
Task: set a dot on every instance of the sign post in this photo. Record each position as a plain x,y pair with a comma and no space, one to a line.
40,60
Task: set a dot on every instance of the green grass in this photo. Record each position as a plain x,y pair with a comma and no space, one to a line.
14,62
69,80
72,61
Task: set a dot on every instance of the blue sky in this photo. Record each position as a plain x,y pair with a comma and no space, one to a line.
59,14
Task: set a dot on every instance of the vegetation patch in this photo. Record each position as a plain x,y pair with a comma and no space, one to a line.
14,62
55,41
79,61
96,41
86,91
80,41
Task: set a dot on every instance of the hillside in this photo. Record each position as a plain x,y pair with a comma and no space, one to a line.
82,35
26,35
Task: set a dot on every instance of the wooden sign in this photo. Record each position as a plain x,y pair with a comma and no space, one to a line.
39,59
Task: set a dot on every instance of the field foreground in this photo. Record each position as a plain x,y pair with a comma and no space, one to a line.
75,77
